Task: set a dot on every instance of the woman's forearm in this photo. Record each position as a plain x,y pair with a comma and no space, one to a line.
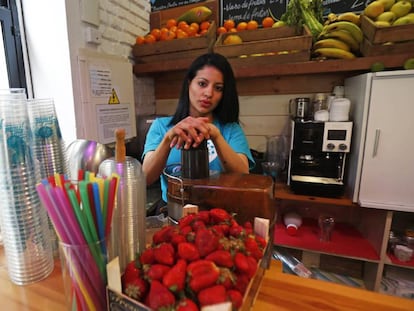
155,161
232,162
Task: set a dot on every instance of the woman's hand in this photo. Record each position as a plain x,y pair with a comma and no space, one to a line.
189,132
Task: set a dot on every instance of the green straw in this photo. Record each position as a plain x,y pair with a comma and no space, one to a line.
83,188
105,202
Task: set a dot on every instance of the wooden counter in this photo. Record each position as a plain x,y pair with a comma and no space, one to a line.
278,291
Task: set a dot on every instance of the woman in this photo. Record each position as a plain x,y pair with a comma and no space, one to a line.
208,108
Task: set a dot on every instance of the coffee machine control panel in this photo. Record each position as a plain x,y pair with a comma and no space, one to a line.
337,137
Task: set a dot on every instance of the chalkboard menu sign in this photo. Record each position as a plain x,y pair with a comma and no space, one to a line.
158,5
245,10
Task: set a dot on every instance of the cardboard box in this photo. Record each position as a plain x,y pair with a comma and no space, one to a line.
281,41
176,48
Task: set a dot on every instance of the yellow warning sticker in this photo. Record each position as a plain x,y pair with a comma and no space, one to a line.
113,99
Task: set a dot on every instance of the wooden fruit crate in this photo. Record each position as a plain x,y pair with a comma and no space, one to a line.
377,35
176,48
160,18
369,49
283,41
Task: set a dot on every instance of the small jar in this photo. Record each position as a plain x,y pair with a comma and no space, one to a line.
194,162
292,222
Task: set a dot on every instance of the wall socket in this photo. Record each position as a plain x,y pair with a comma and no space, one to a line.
93,36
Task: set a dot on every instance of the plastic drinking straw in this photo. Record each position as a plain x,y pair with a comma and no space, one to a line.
105,202
91,198
83,185
81,175
51,207
111,203
98,211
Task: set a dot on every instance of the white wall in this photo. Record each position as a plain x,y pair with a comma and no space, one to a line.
56,30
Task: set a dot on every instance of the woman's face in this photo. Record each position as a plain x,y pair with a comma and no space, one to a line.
205,91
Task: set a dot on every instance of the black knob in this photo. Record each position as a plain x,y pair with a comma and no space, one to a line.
330,146
342,147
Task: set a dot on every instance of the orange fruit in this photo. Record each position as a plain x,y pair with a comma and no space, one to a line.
241,26
168,35
229,24
191,31
171,22
182,25
140,40
232,30
267,22
181,34
174,28
252,25
203,32
205,25
195,25
149,38
221,30
156,32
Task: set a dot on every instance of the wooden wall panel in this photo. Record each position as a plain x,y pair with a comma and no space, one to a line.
168,85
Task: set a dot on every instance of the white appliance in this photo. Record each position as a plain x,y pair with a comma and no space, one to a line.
381,170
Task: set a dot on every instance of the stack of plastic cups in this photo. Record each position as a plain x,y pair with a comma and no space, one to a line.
23,220
127,236
48,146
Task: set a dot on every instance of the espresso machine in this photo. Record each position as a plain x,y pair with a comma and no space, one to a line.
318,157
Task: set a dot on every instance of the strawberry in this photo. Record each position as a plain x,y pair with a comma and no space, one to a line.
155,271
164,253
202,274
163,235
186,220
204,216
236,298
131,272
222,229
147,257
226,278
252,263
188,251
221,258
261,241
135,288
237,231
218,215
160,297
186,304
242,282
174,279
248,227
177,239
212,295
252,248
206,241
240,261
186,230
198,224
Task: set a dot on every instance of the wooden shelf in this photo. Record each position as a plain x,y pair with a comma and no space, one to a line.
394,261
346,241
282,192
248,67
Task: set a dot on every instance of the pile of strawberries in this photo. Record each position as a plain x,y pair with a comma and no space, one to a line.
208,258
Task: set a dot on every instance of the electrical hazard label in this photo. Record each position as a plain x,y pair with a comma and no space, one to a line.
113,99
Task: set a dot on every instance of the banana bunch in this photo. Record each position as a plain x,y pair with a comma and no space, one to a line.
340,38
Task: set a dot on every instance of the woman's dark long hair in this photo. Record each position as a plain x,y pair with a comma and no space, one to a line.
227,110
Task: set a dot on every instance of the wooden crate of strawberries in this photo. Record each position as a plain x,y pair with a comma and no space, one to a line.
205,260
284,42
386,40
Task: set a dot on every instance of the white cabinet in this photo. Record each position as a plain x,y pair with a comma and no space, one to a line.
381,168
